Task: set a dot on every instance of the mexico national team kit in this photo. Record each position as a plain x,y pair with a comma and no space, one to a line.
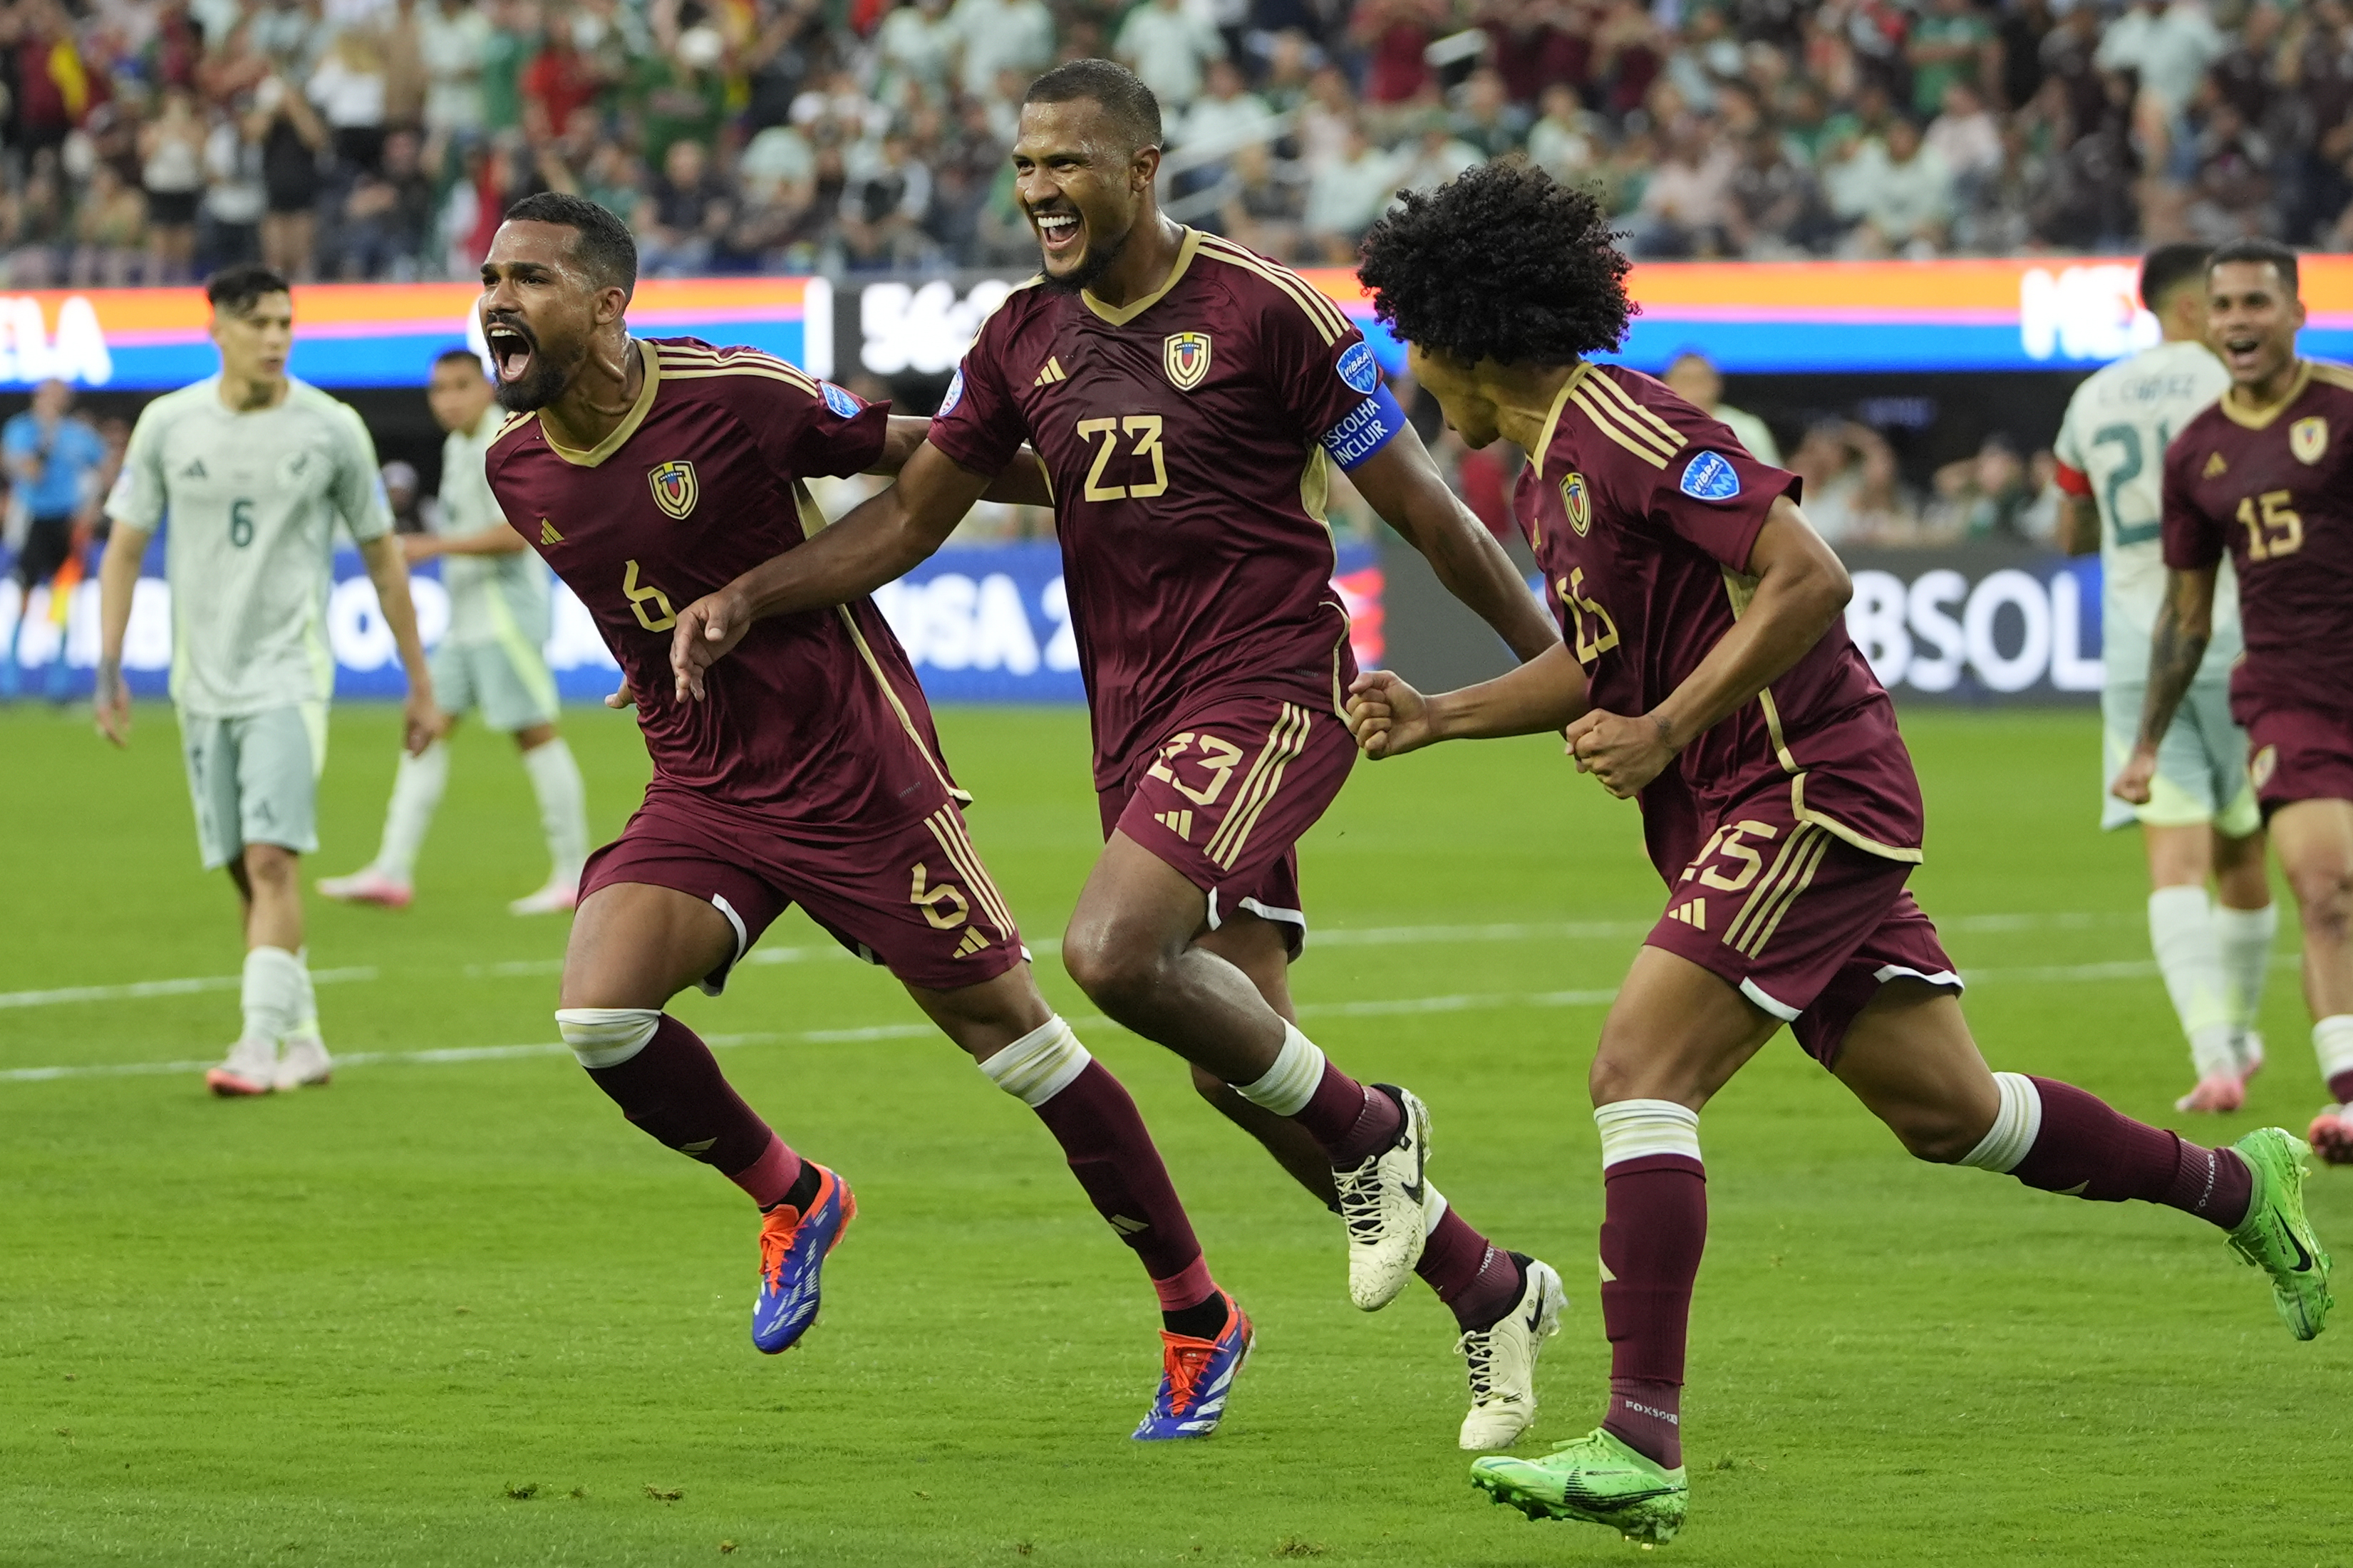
1786,833
1188,436
811,773
2271,491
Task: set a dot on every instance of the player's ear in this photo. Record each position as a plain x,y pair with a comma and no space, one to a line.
1143,169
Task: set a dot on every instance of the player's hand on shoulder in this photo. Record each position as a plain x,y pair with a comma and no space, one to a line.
708,629
1389,717
2134,780
110,703
1624,754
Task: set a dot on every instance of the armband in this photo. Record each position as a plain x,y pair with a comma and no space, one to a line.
1368,427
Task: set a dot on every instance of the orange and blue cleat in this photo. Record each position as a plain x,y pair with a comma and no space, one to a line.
1195,1377
793,1249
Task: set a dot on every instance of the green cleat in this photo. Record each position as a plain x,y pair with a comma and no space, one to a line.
2276,1237
1596,1479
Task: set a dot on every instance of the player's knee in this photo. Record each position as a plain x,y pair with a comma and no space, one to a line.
1110,966
2323,886
268,866
1614,1077
1937,1134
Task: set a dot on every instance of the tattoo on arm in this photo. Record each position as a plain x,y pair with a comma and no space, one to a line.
2173,659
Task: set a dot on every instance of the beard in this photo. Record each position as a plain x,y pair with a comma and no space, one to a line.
1099,259
542,385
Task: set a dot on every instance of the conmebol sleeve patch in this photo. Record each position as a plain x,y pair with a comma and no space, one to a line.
1708,477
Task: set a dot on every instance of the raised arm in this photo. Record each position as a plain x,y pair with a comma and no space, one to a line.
1404,486
2185,622
876,541
1800,590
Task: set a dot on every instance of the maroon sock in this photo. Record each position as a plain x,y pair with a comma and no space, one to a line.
1654,1228
1352,1123
2340,1087
674,1090
1478,1280
1102,1135
2086,1150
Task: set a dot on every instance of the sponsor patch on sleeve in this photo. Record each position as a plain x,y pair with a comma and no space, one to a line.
1369,426
841,401
954,396
1359,371
1710,476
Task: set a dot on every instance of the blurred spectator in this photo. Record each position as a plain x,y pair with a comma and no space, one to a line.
172,171
1950,44
1560,143
348,86
386,214
2167,44
1345,195
996,36
1436,158
52,457
1984,496
1395,35
682,217
1170,46
293,140
1897,193
1685,208
453,37
1487,120
1227,115
1853,492
1695,378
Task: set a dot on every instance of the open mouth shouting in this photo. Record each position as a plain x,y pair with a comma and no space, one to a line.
1061,232
2244,352
511,346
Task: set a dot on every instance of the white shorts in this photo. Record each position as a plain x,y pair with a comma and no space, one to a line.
2201,763
512,687
255,779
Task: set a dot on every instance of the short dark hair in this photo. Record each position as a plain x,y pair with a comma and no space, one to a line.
2258,251
1120,91
455,352
603,244
2166,268
1501,262
234,288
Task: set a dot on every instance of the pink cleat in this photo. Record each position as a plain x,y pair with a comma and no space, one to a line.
2331,1135
367,886
249,1069
2216,1092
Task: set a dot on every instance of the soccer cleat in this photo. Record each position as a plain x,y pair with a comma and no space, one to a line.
556,899
793,1249
303,1063
1382,1201
2276,1237
1503,1361
2217,1092
1196,1375
250,1068
367,886
2331,1135
1596,1479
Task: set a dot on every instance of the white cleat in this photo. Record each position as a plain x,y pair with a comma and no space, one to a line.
1382,1203
367,886
2217,1092
1503,1361
249,1069
556,899
303,1063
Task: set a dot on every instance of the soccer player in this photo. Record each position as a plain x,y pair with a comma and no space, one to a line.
52,457
1707,672
253,469
2201,820
648,473
2263,476
1187,399
489,659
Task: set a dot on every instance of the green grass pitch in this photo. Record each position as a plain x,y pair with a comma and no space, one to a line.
456,1311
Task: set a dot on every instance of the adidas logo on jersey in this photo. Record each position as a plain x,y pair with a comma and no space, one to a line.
547,535
1052,374
1693,914
2214,465
973,942
194,471
1179,823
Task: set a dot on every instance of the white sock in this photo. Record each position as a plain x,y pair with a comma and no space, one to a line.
2016,1125
2181,930
1038,1066
2245,937
1291,1082
607,1036
416,789
1632,1129
563,807
2332,1042
272,994
306,1000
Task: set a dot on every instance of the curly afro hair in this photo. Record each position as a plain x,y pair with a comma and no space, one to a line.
1502,263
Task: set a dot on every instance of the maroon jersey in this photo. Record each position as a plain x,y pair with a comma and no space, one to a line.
2275,488
1186,439
813,719
1642,510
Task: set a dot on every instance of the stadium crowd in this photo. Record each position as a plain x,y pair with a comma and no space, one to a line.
149,140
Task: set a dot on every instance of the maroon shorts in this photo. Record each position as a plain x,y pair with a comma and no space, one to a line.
913,897
1226,797
1804,925
2298,753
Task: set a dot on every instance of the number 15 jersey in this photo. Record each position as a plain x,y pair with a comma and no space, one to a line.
1185,437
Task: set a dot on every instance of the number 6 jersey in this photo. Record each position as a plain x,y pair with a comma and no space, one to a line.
1186,436
2275,490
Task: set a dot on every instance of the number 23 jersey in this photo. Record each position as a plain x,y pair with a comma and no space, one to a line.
1186,436
2276,491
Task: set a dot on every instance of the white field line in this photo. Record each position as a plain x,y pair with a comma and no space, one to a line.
1351,936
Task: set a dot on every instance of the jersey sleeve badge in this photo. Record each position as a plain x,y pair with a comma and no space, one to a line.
1186,356
1359,371
841,400
1576,500
674,488
1708,477
2308,439
954,396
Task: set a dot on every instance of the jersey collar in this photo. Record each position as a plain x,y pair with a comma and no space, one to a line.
625,430
1120,315
1552,419
2257,420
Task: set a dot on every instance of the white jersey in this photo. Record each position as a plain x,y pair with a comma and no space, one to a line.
2117,426
500,599
251,501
